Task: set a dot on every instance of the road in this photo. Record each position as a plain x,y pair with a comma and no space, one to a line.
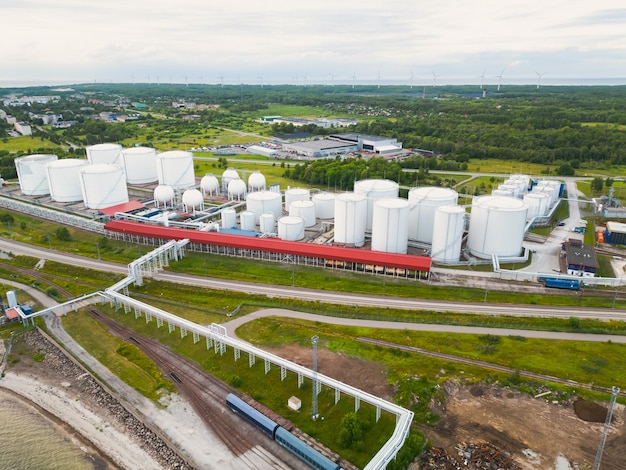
330,297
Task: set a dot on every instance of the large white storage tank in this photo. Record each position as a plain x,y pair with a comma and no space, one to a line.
304,209
291,228
265,202
502,192
229,218
103,186
164,195
423,202
256,182
175,169
496,226
64,179
31,172
247,221
550,191
140,165
237,190
448,227
296,194
192,200
390,226
209,185
229,175
373,190
324,205
267,223
350,219
107,154
536,203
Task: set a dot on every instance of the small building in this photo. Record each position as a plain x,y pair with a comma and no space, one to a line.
23,128
261,150
322,148
580,259
615,233
12,314
370,143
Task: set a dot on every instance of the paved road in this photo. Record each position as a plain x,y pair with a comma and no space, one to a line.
328,296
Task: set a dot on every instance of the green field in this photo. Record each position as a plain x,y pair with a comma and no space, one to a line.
28,144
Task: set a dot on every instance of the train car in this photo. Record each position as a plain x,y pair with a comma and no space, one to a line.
253,416
303,451
571,284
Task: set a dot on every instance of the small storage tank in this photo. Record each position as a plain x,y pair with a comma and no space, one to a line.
549,191
448,227
496,226
390,225
324,205
514,188
256,182
209,185
304,209
265,202
229,218
64,179
103,186
192,200
108,154
423,202
536,204
502,192
175,169
296,194
31,172
247,221
140,165
267,223
291,228
229,175
164,195
374,190
350,219
237,190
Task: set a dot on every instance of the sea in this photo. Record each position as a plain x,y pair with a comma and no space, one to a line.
29,440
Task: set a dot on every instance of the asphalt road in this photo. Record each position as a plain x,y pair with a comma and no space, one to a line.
326,296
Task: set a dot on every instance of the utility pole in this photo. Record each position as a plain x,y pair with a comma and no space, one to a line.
314,412
607,426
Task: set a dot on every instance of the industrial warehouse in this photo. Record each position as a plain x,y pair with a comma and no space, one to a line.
153,196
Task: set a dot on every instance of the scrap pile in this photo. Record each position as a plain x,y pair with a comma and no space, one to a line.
470,456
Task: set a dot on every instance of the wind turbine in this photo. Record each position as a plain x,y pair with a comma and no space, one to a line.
186,80
412,78
332,79
221,79
353,80
378,79
499,77
158,82
482,78
539,75
133,77
434,80
260,79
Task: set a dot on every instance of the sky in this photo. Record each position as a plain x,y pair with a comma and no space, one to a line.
307,42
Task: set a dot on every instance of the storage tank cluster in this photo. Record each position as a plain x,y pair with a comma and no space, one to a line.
423,204
373,190
517,185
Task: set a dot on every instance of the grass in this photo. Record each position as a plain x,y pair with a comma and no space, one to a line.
484,185
28,144
124,360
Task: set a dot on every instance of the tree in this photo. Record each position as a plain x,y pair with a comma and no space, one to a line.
565,170
6,219
597,184
351,432
63,234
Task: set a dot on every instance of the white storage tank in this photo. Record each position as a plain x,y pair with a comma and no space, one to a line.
237,190
390,226
209,185
296,194
267,223
247,221
502,192
256,182
324,205
549,191
64,179
164,195
374,190
304,209
350,219
265,202
536,203
108,154
291,228
31,172
448,227
496,226
515,189
423,202
103,186
230,174
140,165
229,218
175,169
192,200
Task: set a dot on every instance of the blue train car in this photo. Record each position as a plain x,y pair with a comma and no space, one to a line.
253,416
572,284
304,452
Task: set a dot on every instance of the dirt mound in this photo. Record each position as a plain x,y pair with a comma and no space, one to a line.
590,411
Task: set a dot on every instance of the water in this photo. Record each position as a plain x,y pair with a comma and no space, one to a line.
31,441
